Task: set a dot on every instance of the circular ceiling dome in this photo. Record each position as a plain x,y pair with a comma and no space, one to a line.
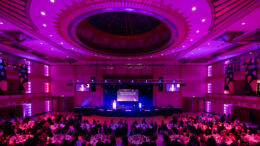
123,33
124,23
122,29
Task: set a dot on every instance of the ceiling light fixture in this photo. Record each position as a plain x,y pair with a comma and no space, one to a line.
43,13
203,20
193,8
1,23
243,23
197,31
44,25
52,1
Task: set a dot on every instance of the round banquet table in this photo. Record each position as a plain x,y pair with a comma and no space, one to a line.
138,139
104,138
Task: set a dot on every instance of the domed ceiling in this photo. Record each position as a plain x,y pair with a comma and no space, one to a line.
118,29
121,33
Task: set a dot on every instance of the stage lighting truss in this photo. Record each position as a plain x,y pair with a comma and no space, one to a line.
128,81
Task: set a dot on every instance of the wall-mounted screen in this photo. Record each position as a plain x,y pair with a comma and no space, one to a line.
82,87
173,87
128,95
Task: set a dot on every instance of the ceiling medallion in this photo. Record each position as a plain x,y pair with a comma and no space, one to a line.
122,29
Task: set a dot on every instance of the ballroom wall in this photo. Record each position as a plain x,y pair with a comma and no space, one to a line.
218,98
193,76
37,77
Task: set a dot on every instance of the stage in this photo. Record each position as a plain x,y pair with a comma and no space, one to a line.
164,111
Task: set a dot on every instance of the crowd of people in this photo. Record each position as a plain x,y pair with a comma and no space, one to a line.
183,129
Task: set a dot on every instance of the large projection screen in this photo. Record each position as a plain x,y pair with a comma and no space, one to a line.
128,95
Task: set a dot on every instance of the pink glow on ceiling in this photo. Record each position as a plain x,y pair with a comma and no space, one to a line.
206,48
44,12
247,23
5,25
203,11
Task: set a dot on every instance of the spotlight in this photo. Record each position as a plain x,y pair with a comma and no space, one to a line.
194,8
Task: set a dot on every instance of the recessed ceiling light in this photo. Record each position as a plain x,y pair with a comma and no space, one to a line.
183,46
41,43
197,31
191,40
43,13
203,20
50,35
61,43
72,48
1,23
52,1
208,43
51,48
44,25
193,8
243,23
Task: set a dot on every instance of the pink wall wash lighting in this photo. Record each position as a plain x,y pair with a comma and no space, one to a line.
209,71
47,106
46,70
29,90
227,109
208,106
27,109
209,87
226,92
46,87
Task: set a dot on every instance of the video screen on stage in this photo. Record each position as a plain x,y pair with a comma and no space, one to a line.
128,95
172,87
82,87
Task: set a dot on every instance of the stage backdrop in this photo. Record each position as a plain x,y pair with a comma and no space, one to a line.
145,96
